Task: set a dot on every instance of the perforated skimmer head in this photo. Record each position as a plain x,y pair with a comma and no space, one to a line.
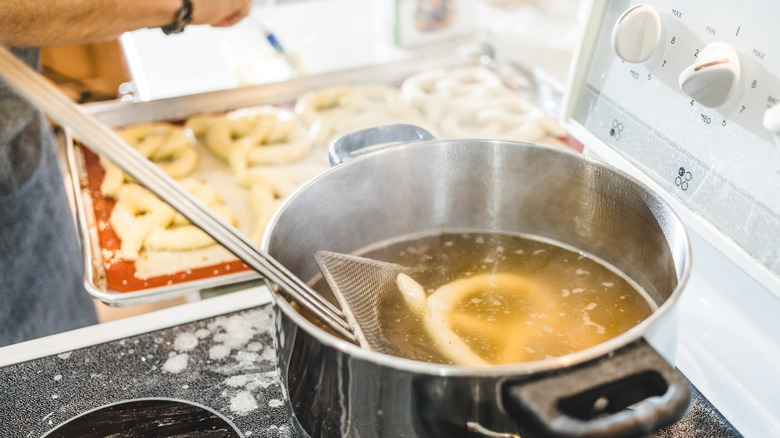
360,286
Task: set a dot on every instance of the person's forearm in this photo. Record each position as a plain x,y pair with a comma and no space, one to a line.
46,22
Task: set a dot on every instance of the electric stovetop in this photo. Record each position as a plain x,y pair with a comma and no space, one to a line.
212,377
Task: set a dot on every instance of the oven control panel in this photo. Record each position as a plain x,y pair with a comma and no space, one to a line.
689,94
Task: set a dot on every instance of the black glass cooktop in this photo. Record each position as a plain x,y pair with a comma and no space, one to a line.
217,375
161,418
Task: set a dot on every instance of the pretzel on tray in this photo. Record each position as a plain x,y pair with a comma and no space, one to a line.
337,110
253,137
473,102
168,146
143,221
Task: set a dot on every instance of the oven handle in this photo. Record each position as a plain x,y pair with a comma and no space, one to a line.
355,144
632,392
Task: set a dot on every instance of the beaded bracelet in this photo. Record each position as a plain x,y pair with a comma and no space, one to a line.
182,18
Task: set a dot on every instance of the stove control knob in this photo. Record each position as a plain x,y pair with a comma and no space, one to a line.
772,121
636,34
712,79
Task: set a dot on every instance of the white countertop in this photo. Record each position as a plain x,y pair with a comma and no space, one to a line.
123,328
325,36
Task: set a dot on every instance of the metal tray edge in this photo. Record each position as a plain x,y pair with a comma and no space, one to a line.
122,113
94,274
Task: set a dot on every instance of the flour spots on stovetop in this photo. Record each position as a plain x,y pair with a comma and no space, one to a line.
237,331
218,352
176,363
255,346
278,431
239,349
227,363
185,342
253,381
273,431
243,403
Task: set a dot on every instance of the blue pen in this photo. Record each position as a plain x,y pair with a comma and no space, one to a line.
274,41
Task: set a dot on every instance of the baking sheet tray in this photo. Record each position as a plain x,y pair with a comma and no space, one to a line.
545,93
92,215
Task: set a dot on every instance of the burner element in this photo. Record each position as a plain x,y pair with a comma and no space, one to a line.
148,417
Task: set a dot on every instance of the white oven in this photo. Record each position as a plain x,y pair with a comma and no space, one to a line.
684,96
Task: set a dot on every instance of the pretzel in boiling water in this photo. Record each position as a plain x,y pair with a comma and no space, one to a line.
448,326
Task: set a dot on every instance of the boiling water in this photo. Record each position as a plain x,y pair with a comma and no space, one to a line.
561,302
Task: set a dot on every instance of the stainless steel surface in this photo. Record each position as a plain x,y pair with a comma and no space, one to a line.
217,384
94,270
34,88
357,283
116,113
120,114
719,168
461,185
354,144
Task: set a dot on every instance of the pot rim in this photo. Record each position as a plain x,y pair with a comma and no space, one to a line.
520,368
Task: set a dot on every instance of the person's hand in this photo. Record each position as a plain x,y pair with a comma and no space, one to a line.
220,13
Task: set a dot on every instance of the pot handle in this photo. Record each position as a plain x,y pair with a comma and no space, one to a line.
602,398
358,143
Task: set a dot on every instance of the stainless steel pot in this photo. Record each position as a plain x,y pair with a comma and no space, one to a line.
622,387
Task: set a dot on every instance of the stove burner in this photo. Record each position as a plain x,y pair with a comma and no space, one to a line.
156,417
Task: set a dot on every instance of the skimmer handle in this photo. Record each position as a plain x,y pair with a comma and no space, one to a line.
104,141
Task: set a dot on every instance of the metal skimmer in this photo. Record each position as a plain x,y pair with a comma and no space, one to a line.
360,285
104,141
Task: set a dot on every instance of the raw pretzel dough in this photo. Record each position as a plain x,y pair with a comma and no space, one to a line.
168,146
134,215
143,221
264,201
508,117
473,102
268,149
269,186
180,234
253,137
433,92
335,111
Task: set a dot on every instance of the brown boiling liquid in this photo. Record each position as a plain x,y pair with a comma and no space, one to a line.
572,302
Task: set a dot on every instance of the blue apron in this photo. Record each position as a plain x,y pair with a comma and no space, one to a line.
41,273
